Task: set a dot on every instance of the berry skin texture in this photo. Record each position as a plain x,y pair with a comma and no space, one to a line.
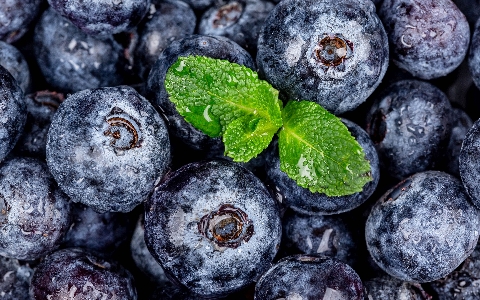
474,55
102,17
428,38
71,60
305,202
34,212
332,52
410,125
16,17
71,272
309,277
13,112
16,279
106,148
423,228
469,165
201,45
213,226
12,60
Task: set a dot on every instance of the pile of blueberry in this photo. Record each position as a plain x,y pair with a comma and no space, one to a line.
107,193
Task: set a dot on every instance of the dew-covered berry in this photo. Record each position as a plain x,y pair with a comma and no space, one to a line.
240,21
410,125
309,277
34,212
213,226
102,17
302,200
16,17
107,147
13,112
332,52
74,274
214,47
172,20
71,60
428,38
15,277
423,228
14,61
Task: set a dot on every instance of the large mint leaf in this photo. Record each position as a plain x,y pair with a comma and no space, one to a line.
219,97
317,150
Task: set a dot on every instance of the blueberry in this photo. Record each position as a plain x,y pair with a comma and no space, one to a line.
240,21
70,273
460,126
102,17
199,5
12,60
34,212
106,148
302,200
388,287
423,228
16,277
101,234
474,55
171,21
410,124
428,38
16,17
71,60
468,164
41,106
326,235
332,52
143,258
309,277
215,47
213,226
13,114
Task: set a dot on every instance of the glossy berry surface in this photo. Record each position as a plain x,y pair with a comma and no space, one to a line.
309,277
331,52
428,38
34,212
14,61
70,273
102,17
213,226
302,200
410,125
423,228
107,147
71,60
215,47
16,277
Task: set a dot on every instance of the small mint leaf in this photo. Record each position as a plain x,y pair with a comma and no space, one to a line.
317,150
219,97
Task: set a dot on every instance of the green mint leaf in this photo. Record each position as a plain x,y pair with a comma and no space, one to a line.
317,150
223,98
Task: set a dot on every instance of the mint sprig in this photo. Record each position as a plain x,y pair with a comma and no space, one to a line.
225,99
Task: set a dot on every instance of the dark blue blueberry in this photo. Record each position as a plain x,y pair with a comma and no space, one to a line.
423,228
388,287
326,235
102,17
460,126
143,258
309,277
333,52
171,20
101,234
70,59
474,55
34,212
75,274
41,106
410,124
302,200
213,226
215,47
13,112
16,278
469,162
16,17
239,21
428,38
13,60
107,147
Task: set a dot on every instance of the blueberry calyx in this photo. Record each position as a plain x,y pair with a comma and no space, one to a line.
227,15
226,227
124,130
332,50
